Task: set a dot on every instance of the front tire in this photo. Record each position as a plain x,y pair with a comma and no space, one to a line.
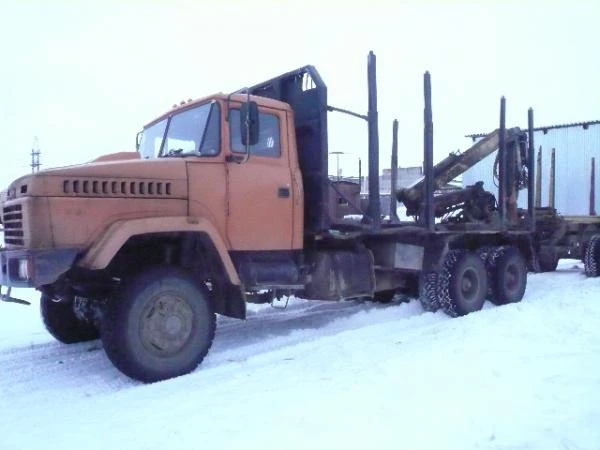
161,325
61,322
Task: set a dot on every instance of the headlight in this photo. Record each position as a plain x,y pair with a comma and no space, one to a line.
25,270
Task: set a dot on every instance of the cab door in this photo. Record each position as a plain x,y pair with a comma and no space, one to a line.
260,194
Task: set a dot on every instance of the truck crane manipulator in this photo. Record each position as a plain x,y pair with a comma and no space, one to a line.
554,236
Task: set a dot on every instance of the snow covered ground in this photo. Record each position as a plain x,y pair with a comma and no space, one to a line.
319,375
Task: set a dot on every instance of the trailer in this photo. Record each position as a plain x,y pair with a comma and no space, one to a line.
568,237
227,201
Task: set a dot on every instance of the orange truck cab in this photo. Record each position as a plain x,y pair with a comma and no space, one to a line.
227,196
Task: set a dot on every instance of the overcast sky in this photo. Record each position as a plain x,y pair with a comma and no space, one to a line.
85,76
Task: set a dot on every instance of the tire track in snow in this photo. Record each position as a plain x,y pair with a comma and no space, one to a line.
81,370
305,321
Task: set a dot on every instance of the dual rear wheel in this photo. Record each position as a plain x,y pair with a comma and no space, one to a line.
591,258
468,278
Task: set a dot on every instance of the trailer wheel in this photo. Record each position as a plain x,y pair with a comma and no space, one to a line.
463,283
508,276
548,261
61,322
428,291
591,259
160,326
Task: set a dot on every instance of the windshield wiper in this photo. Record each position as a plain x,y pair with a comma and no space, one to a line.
179,152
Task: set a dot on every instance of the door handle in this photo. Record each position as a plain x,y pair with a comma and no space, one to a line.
283,192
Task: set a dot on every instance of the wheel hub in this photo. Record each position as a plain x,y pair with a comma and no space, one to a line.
166,324
469,285
512,278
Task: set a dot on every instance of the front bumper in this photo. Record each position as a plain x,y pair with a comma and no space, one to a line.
34,268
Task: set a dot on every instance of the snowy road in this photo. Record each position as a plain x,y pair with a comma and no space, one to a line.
327,376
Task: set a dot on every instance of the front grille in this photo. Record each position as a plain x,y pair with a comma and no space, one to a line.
12,218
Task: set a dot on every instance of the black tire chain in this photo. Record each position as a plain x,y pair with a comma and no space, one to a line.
444,279
490,265
591,258
484,253
428,292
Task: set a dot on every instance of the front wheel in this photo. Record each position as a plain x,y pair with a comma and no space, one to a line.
61,322
161,325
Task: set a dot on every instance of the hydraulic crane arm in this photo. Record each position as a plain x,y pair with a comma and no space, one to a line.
451,167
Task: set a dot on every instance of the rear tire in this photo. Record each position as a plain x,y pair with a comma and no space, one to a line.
591,259
428,291
161,325
548,261
463,283
61,322
508,276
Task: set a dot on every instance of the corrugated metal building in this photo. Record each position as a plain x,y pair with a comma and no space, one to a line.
575,145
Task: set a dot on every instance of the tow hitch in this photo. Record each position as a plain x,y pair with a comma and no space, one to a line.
7,298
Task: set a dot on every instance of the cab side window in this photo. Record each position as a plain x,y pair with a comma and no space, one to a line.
268,140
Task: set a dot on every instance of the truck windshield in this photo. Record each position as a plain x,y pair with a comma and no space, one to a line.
194,131
152,138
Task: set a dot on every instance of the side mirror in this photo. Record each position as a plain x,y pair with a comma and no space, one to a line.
138,140
249,126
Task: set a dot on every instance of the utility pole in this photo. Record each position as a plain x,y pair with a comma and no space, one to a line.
337,157
360,173
35,155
